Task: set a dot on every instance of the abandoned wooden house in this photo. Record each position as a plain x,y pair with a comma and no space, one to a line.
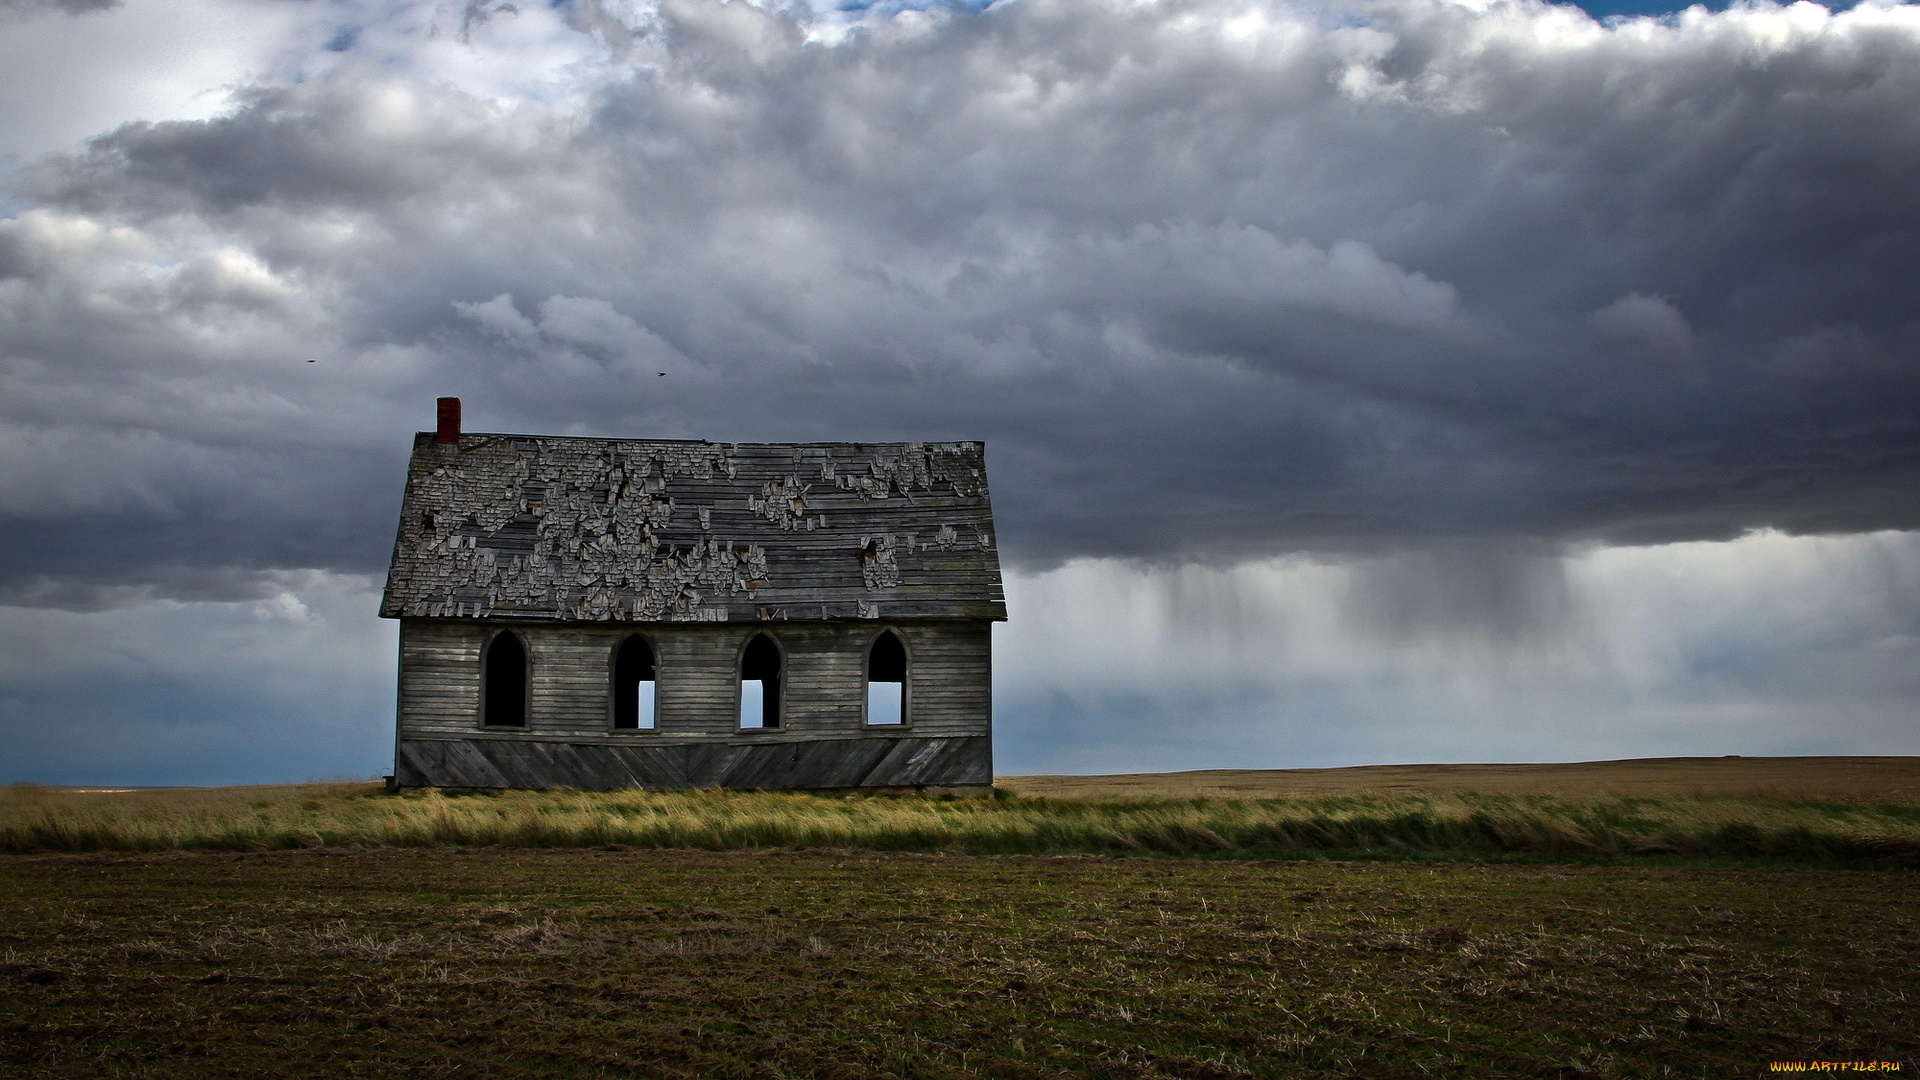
642,613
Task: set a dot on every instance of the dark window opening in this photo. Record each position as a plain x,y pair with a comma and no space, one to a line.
887,680
760,684
634,685
506,681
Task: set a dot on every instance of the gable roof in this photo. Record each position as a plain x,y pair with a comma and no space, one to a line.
648,530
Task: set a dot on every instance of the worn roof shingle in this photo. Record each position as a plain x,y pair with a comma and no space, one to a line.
644,530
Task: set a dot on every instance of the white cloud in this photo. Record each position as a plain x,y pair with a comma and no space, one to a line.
72,78
499,316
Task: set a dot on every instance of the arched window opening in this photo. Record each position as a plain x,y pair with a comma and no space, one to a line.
760,683
505,689
887,680
633,685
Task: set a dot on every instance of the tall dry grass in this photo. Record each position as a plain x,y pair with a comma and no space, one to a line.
348,815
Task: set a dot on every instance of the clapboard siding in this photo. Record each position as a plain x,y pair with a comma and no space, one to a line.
949,696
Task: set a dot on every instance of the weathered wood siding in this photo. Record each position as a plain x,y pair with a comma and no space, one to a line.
533,762
570,741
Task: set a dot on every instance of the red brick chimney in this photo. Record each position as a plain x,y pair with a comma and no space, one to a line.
449,421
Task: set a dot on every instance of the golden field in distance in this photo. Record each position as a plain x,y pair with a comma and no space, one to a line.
1885,781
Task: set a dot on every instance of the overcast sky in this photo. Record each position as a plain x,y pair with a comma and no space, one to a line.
1394,380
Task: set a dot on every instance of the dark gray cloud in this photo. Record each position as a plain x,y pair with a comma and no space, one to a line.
1465,595
1214,281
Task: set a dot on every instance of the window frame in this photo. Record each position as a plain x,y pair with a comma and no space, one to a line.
614,689
526,680
740,680
906,681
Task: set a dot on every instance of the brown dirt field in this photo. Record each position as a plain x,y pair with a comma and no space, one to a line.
613,965
1877,780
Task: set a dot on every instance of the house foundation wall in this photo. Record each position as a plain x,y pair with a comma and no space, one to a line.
965,762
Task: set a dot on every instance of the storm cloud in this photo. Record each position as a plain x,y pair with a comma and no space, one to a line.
1452,295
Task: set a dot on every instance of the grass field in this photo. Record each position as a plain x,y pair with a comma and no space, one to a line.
1860,819
1310,925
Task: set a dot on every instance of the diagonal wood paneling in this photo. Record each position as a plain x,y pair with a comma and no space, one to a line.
505,762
